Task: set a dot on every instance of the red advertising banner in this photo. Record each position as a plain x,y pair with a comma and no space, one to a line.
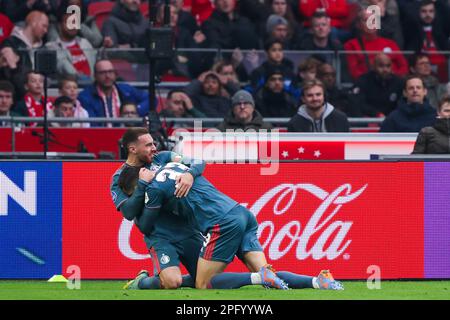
345,217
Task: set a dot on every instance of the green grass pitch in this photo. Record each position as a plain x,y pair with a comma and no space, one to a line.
112,290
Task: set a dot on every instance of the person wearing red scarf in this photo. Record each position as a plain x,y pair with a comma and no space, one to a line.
32,103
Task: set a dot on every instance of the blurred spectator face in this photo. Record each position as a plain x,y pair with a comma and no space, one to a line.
423,67
309,74
105,74
132,5
39,26
211,86
175,104
177,3
321,27
444,110
228,72
243,112
225,6
363,25
279,7
314,98
275,83
35,84
280,32
173,15
6,101
427,13
327,75
275,53
381,4
383,66
67,33
65,110
415,92
69,89
129,111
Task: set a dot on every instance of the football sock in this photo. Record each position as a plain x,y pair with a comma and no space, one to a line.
296,281
150,283
231,280
187,282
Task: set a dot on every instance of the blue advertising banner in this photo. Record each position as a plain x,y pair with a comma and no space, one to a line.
30,219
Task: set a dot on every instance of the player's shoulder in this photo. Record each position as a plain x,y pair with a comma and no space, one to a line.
163,157
117,173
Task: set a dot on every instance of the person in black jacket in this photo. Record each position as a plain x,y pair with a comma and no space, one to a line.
436,139
414,112
272,100
378,91
317,115
226,29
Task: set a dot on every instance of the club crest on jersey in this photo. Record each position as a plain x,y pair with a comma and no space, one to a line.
165,259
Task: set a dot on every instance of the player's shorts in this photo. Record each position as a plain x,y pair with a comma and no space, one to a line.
233,234
165,254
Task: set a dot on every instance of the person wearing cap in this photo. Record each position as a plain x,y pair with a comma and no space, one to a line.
273,100
243,114
278,28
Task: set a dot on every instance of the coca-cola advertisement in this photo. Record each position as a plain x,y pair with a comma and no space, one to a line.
346,217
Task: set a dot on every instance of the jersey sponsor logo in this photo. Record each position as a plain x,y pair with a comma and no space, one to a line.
165,259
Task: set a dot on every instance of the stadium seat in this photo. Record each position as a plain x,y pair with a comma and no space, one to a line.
101,11
124,69
353,9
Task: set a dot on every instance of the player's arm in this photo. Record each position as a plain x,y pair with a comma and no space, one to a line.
184,182
150,211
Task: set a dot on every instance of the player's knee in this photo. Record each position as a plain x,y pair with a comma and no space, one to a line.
172,282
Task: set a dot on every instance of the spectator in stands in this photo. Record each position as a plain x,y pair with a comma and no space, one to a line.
88,27
68,86
179,105
126,27
414,112
390,27
275,58
6,102
272,100
319,37
226,29
207,97
185,18
75,55
339,98
420,65
227,75
129,110
6,27
430,34
317,115
306,71
435,139
337,10
243,115
104,97
187,63
18,10
368,40
278,28
63,108
17,49
32,103
379,90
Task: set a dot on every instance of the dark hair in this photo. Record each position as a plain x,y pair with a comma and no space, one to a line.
424,3
416,57
62,99
132,135
126,103
270,42
319,15
7,86
128,179
30,72
444,100
410,77
171,92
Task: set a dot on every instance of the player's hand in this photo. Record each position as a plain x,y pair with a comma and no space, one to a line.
146,175
183,185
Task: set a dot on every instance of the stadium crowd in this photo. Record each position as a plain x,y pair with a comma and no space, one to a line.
239,84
